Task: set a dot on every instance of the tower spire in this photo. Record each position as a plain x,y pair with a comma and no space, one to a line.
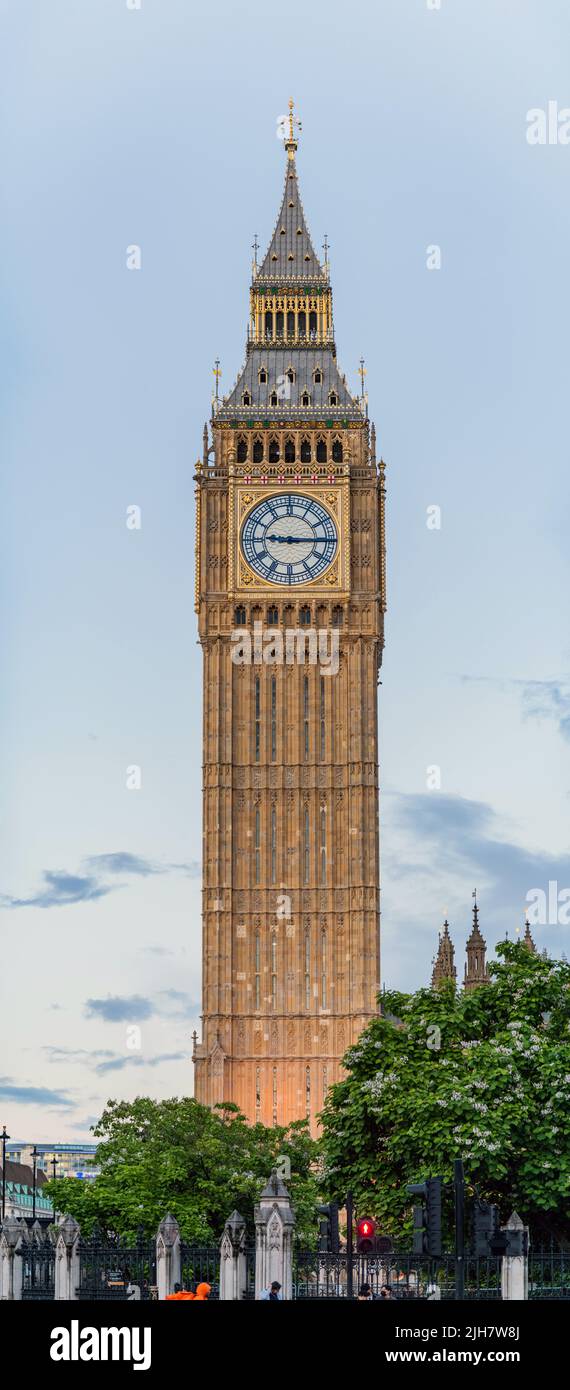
527,938
476,972
291,143
444,965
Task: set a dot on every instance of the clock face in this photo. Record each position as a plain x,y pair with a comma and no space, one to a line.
289,539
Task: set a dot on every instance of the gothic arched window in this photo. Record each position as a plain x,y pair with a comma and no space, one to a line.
305,451
307,971
317,376
305,398
321,451
323,970
257,974
273,399
337,451
263,376
268,323
302,323
291,324
246,398
240,616
289,451
305,615
333,398
272,616
242,450
279,323
323,847
274,451
258,451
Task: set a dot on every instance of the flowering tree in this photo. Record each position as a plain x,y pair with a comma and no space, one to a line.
483,1076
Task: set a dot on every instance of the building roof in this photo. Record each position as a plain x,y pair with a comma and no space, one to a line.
290,255
291,262
22,1174
277,360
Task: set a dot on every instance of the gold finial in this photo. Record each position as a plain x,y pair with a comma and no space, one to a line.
291,143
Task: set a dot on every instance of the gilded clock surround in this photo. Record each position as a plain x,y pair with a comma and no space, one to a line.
291,879
242,579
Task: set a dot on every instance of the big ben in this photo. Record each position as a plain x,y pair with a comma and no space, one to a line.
290,596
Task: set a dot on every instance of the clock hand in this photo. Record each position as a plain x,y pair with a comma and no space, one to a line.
299,540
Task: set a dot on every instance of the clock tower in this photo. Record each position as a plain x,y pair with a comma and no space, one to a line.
290,596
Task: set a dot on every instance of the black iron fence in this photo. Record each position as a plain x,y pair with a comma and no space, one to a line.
115,1269
38,1268
393,1276
549,1272
200,1264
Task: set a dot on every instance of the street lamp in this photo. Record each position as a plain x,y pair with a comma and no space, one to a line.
34,1170
54,1175
5,1136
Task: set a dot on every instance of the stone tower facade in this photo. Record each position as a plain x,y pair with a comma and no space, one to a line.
444,964
290,596
476,972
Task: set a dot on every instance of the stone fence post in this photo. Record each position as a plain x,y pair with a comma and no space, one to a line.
233,1262
14,1233
514,1268
67,1263
168,1256
274,1229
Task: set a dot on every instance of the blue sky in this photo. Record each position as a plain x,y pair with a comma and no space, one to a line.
157,127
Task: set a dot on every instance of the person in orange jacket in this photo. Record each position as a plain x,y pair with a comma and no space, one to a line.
203,1293
179,1293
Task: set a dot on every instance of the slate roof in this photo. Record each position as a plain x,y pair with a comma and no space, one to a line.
24,1175
291,255
277,361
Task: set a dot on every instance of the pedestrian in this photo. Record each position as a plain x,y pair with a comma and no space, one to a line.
202,1293
179,1293
385,1291
272,1294
365,1294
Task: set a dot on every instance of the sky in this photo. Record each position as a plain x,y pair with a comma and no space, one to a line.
155,126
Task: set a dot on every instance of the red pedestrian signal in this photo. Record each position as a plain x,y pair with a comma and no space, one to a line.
365,1232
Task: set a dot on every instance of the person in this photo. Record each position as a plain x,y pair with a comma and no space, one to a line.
272,1294
365,1294
385,1291
202,1293
179,1293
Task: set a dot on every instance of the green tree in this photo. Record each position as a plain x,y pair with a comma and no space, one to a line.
176,1155
482,1075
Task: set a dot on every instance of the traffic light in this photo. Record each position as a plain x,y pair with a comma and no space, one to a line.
485,1227
427,1216
365,1232
328,1228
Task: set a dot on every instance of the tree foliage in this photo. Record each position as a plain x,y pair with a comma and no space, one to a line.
177,1156
482,1075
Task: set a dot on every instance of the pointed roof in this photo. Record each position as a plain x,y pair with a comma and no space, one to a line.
527,938
444,967
291,255
276,361
475,939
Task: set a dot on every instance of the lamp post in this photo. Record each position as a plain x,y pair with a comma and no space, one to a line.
5,1136
34,1171
54,1175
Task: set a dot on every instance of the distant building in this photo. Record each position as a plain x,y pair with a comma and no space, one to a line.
475,972
20,1192
71,1160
